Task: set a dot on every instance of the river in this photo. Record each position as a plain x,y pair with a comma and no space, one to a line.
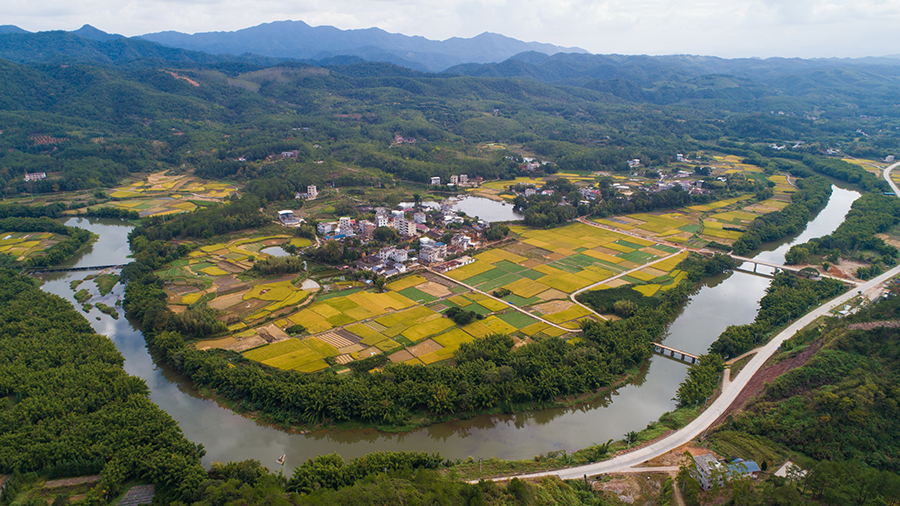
729,299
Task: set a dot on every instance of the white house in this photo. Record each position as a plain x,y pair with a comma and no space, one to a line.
325,227
433,252
435,181
399,255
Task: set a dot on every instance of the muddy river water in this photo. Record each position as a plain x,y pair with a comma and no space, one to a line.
724,300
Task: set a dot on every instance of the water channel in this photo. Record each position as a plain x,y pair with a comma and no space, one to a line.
725,300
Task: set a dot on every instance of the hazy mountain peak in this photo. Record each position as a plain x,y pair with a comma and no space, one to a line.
12,29
296,39
89,32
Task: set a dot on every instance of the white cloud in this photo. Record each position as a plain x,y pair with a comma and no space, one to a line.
729,28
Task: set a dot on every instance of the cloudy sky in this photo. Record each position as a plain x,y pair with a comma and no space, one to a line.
727,28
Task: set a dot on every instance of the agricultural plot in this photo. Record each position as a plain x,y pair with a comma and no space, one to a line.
23,245
873,166
547,260
782,186
307,355
661,276
160,194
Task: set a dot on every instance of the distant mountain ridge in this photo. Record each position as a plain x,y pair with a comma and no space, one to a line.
298,40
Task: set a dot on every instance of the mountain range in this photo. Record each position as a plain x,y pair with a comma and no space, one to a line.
633,78
296,40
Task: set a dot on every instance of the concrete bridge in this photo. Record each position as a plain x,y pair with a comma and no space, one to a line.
668,351
757,263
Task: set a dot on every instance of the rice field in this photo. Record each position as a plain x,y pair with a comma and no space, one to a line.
23,245
160,194
563,260
307,355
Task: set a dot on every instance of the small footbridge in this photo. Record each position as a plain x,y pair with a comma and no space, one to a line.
68,269
668,351
757,263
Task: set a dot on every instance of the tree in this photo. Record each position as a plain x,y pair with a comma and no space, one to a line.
624,308
386,235
379,282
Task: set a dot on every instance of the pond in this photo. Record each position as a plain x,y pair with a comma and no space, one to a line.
275,251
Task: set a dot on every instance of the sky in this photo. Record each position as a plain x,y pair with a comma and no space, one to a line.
725,28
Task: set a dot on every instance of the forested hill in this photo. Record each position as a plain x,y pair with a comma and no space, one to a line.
670,79
88,46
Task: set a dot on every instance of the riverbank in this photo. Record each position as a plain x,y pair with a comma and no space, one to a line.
721,301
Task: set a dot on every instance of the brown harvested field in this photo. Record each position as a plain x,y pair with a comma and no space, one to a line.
437,279
178,309
555,256
68,482
249,307
553,307
230,267
531,264
273,242
401,356
246,343
608,251
617,283
434,289
226,301
353,348
369,352
424,348
654,272
656,252
552,294
628,265
222,343
272,334
181,289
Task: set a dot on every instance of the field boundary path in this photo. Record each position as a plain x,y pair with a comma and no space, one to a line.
517,308
617,276
723,402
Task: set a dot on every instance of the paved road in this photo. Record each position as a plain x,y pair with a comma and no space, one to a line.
887,177
728,396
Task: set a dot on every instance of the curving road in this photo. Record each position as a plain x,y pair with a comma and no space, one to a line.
728,396
887,177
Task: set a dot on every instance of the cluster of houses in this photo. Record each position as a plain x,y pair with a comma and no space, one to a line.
461,180
410,221
390,261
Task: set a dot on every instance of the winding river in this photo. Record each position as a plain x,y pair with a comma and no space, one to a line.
729,299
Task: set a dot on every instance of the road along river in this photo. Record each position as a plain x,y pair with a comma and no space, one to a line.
730,299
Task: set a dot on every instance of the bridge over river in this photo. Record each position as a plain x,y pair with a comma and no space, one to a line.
69,269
